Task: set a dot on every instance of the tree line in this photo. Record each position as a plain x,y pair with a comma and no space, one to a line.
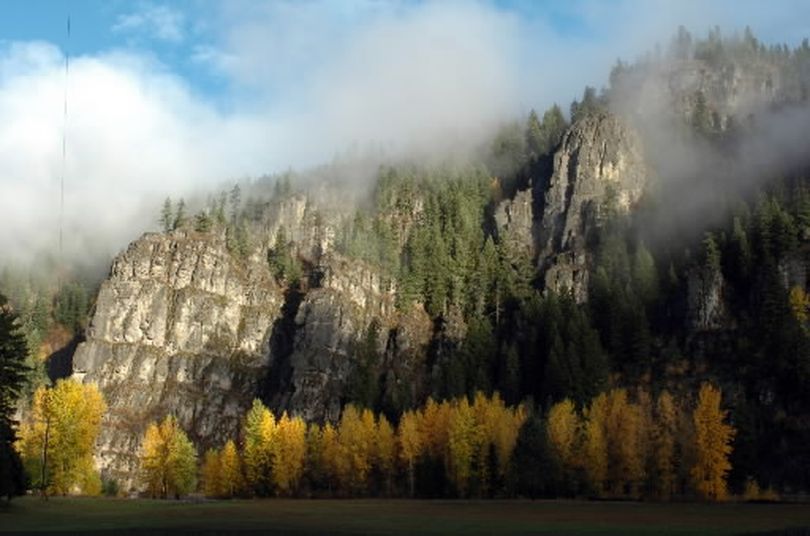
614,446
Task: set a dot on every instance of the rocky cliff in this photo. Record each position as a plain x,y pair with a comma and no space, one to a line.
599,170
181,326
730,93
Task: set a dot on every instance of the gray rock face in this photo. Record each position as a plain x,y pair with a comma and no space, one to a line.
599,169
515,220
733,90
182,327
328,323
705,299
179,328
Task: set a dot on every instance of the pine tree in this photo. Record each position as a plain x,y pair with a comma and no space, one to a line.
535,142
13,379
180,216
236,204
202,222
166,220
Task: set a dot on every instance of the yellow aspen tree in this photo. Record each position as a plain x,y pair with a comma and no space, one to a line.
799,303
487,412
230,468
507,430
182,460
410,445
461,437
434,420
665,428
152,461
168,459
57,441
355,441
623,436
313,468
563,428
289,453
368,423
259,434
211,474
330,455
713,437
385,452
594,443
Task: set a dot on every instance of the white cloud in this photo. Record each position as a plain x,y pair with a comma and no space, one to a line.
304,80
156,21
135,134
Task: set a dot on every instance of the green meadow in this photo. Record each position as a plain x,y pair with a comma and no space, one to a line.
395,517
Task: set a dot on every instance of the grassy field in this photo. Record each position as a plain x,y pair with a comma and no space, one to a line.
125,516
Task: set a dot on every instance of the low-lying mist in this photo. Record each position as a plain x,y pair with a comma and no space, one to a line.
300,83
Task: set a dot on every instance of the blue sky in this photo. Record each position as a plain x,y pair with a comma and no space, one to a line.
166,97
176,33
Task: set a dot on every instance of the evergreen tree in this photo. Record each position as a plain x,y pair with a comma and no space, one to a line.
13,377
535,142
166,220
202,222
236,204
180,218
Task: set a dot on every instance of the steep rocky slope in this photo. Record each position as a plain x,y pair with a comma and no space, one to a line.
598,169
179,328
183,327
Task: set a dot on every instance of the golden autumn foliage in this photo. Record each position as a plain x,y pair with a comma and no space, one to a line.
168,460
799,303
56,442
614,443
621,444
385,453
664,437
211,474
410,445
595,443
461,445
329,454
624,430
259,434
356,435
627,447
288,453
563,430
275,451
713,438
222,472
365,453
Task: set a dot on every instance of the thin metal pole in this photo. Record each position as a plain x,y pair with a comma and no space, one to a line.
64,146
